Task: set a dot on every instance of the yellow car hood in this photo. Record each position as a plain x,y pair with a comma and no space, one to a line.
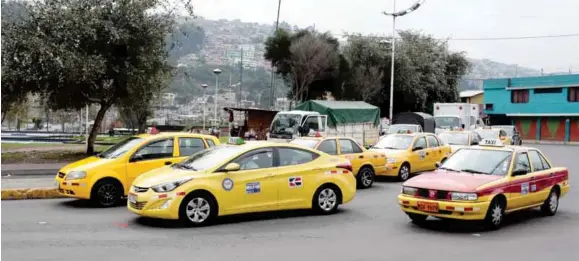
86,164
390,152
164,175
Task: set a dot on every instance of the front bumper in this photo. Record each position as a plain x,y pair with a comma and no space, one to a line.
446,209
155,205
73,188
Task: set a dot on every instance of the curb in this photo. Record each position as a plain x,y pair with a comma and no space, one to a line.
545,142
30,193
30,172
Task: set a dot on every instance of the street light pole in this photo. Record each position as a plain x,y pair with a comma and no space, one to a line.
216,72
395,14
272,69
204,86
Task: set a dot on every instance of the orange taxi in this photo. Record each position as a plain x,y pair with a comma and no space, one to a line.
365,164
484,183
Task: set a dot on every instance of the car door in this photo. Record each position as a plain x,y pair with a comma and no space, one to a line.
254,188
542,178
434,152
520,184
189,146
350,150
296,177
152,155
418,155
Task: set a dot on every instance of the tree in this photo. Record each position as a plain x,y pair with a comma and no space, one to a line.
368,80
369,57
63,117
81,52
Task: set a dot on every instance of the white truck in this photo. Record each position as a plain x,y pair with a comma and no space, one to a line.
358,120
456,116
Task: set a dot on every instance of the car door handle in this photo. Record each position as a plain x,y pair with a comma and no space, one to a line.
361,157
551,174
426,153
532,178
270,175
168,163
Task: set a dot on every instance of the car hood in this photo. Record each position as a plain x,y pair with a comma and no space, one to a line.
454,148
389,152
86,164
164,175
450,181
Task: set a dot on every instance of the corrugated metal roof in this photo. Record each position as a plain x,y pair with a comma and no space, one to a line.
470,93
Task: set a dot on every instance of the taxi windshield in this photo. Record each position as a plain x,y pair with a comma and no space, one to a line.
120,148
479,161
208,158
308,143
456,138
397,128
395,142
488,134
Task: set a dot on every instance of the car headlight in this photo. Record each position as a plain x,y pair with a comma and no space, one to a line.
391,160
75,174
409,191
170,186
463,196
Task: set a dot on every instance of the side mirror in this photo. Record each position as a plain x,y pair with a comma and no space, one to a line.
442,161
136,158
474,143
232,167
437,164
519,172
417,148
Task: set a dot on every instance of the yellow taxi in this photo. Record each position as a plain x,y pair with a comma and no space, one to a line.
458,139
253,177
490,133
365,164
106,177
483,183
411,153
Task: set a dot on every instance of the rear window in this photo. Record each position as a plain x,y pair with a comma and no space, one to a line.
308,143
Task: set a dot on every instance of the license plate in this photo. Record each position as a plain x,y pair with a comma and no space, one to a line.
132,198
428,207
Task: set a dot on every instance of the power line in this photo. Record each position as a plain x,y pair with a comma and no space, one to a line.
479,38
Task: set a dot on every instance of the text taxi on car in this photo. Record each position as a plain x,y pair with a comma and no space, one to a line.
106,177
365,164
490,133
483,183
458,139
253,177
411,153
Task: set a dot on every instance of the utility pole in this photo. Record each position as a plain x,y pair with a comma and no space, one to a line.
241,79
272,65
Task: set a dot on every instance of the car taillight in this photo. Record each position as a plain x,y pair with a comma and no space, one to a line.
347,166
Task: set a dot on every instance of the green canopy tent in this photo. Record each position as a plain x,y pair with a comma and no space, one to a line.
343,112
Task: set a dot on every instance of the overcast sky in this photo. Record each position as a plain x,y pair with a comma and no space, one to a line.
441,18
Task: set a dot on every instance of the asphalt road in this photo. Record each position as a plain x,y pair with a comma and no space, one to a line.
372,227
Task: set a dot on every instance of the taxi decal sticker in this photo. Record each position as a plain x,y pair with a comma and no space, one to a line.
253,188
533,187
227,184
422,155
525,188
295,182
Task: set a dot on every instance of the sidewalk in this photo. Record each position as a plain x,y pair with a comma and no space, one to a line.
31,169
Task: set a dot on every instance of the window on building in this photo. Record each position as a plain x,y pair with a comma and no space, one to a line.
520,96
573,94
489,106
548,90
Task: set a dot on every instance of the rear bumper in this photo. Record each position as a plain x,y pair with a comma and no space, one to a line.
446,209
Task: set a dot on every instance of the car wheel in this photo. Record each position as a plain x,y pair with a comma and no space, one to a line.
417,218
326,200
365,177
197,209
404,172
106,193
551,204
495,215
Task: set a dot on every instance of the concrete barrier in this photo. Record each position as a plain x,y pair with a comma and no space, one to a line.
30,193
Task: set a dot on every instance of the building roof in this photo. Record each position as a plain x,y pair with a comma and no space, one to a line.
470,93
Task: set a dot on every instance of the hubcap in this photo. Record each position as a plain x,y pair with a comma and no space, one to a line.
327,199
198,210
497,214
107,194
553,202
366,177
404,173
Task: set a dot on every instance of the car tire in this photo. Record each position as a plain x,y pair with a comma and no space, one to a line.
365,177
106,193
404,172
417,219
197,209
495,215
551,204
326,200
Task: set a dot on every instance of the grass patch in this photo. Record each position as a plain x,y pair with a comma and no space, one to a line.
9,146
20,157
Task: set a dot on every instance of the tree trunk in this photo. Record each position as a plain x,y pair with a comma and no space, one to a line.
3,116
95,128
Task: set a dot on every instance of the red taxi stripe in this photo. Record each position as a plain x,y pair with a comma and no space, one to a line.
540,182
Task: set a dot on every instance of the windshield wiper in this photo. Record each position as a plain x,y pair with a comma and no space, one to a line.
181,166
449,169
473,171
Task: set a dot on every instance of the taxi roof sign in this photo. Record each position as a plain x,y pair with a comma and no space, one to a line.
492,143
235,141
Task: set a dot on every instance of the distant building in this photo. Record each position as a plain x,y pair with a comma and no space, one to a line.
472,96
542,108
